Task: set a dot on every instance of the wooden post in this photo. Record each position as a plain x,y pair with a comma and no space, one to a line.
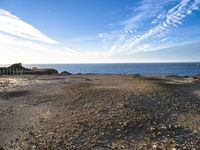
14,71
10,71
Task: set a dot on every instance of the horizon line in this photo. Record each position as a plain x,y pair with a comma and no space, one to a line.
103,63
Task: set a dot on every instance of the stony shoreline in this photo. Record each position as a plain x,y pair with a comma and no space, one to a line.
99,112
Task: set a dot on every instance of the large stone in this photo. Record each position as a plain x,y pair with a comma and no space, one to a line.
197,77
17,65
41,72
65,73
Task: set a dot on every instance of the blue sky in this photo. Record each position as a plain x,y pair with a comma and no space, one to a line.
99,31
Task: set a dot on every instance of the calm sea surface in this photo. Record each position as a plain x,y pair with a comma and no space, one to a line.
146,69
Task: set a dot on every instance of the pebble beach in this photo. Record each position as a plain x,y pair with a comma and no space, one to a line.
99,112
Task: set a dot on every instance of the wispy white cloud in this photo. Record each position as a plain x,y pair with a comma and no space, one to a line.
128,40
14,26
146,9
20,41
142,13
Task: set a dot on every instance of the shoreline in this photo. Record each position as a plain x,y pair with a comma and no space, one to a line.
107,74
48,69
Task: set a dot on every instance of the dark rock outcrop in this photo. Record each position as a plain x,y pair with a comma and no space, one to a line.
197,77
65,73
41,72
17,65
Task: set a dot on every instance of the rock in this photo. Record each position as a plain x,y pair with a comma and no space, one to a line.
197,77
136,75
65,73
17,65
1,148
41,72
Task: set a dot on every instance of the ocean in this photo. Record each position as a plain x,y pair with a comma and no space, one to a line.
145,69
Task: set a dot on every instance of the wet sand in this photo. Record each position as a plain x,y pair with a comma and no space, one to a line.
99,112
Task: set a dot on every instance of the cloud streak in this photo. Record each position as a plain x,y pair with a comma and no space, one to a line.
128,41
14,26
20,41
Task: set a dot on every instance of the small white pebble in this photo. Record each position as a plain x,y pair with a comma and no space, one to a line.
154,146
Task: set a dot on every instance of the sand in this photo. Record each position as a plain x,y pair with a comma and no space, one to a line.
99,112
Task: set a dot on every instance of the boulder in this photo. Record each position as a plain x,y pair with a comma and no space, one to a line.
136,75
65,73
1,148
197,77
18,65
41,72
79,74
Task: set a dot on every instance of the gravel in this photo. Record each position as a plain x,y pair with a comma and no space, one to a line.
99,112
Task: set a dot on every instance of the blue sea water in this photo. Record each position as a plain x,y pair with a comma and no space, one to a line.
145,69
